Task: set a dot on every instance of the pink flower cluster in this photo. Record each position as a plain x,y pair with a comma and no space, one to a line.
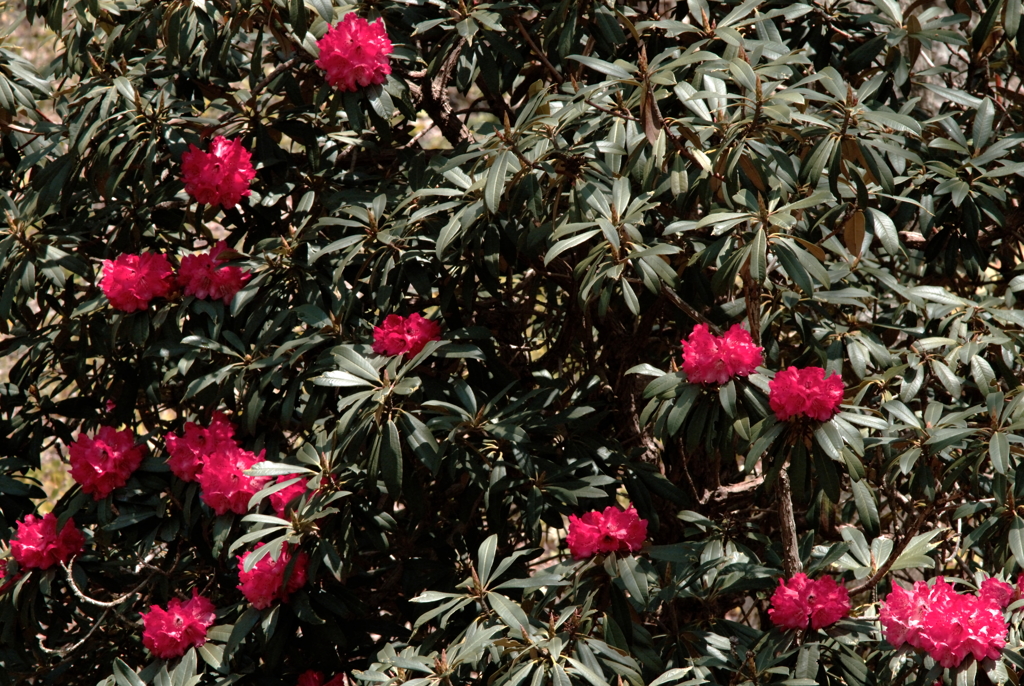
313,678
611,531
206,277
212,457
38,544
805,393
799,599
220,176
354,53
170,633
716,359
945,624
105,462
130,282
266,581
398,335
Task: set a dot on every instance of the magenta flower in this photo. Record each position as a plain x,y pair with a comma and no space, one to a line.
37,544
130,282
205,277
398,335
613,530
170,633
220,176
105,462
943,623
354,53
265,582
716,359
805,393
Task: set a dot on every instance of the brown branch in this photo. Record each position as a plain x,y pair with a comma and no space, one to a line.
884,569
434,98
787,523
536,50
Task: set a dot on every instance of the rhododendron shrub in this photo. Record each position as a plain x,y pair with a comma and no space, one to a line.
716,359
40,543
130,282
354,53
947,625
398,335
799,599
168,633
272,579
204,277
219,175
104,462
511,343
610,531
806,392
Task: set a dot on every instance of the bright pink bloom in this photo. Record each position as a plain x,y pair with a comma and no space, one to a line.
716,359
313,678
999,592
398,335
189,451
265,582
131,281
281,499
220,176
38,545
223,485
205,277
805,393
945,624
106,462
829,602
799,599
610,531
170,633
354,53
790,607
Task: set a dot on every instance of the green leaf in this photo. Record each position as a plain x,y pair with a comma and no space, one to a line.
391,467
608,68
999,452
1016,539
125,675
485,558
981,131
495,185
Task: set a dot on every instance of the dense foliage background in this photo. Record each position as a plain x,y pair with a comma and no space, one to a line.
568,188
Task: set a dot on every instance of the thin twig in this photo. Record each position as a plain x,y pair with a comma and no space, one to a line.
536,50
884,569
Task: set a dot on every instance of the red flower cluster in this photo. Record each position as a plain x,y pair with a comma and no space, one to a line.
220,176
205,277
805,393
189,451
312,678
38,545
945,624
399,335
212,457
224,485
265,582
354,53
610,531
716,359
798,599
106,462
170,633
131,281
281,499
